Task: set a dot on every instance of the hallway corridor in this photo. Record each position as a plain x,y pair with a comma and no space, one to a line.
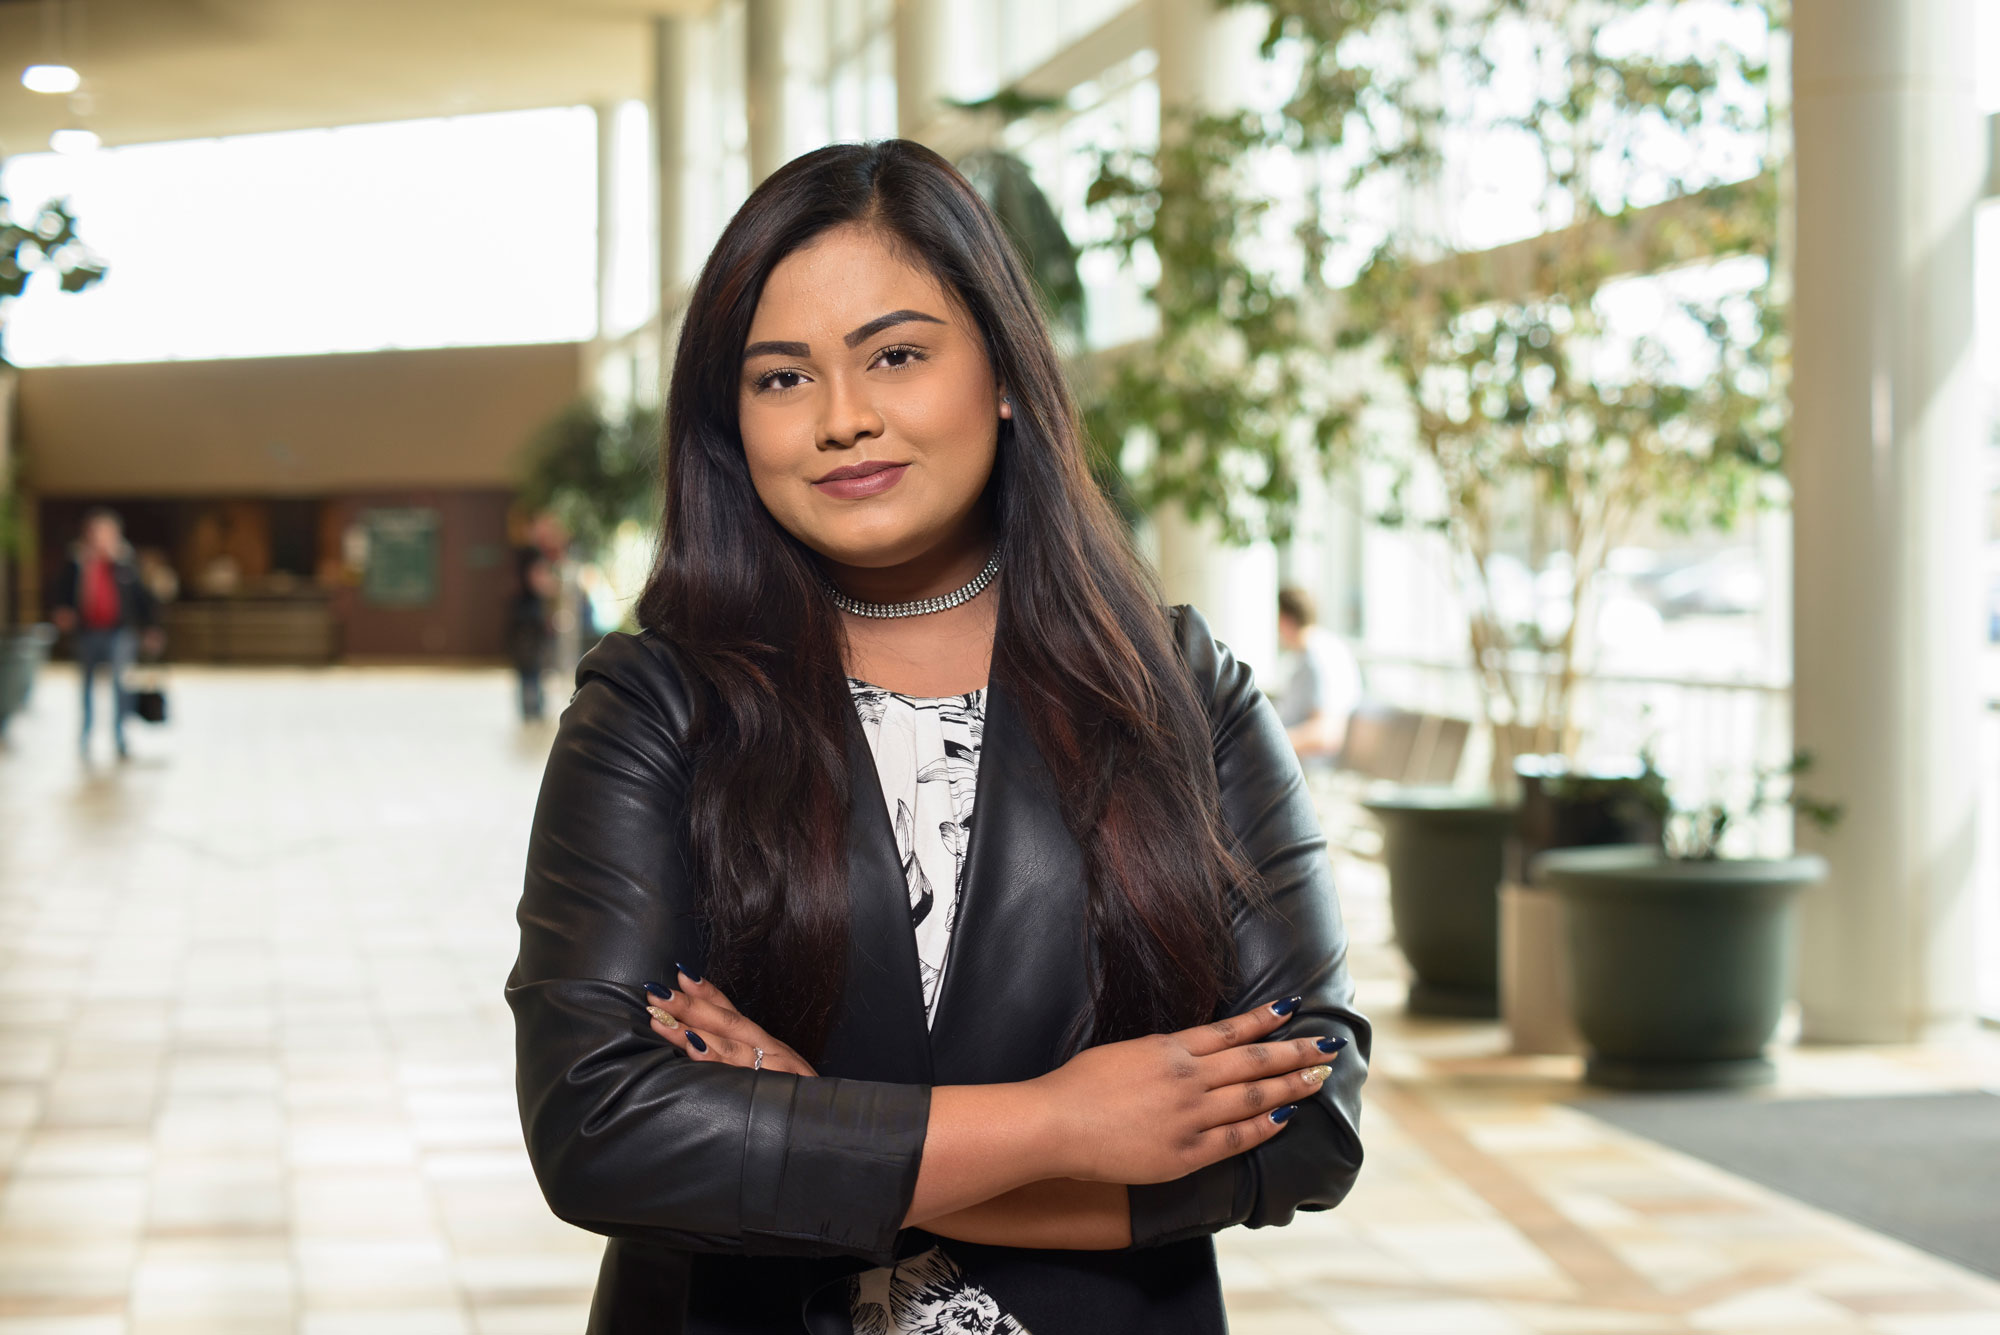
255,1074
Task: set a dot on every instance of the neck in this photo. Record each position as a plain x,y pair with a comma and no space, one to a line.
943,569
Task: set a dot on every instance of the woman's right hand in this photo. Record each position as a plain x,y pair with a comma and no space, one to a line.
1157,1108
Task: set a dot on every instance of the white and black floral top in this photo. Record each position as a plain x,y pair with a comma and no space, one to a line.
926,751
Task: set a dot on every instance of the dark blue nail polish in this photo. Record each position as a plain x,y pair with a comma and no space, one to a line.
691,975
1332,1044
1287,1006
695,1041
1282,1115
663,993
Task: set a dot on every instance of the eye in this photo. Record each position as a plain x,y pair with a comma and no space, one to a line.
896,358
780,380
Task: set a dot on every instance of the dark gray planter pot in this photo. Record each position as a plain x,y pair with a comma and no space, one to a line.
1678,970
1444,851
22,649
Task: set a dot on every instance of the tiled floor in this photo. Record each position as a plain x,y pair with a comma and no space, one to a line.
254,1075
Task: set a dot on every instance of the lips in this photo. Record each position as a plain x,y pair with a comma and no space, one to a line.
862,469
868,478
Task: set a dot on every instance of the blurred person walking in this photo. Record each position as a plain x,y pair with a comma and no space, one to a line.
101,600
531,630
1321,679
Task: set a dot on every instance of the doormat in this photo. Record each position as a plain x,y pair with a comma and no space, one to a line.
1922,1168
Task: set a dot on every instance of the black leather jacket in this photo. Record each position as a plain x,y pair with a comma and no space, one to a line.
733,1198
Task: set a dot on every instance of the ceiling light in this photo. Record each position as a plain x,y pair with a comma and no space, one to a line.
50,79
75,141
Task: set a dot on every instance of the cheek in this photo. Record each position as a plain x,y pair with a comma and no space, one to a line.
767,454
955,431
771,442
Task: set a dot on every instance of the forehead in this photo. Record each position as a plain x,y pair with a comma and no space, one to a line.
843,279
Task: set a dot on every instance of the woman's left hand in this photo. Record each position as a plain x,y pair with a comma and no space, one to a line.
705,1025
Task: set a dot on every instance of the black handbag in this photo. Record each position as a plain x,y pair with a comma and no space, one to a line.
149,698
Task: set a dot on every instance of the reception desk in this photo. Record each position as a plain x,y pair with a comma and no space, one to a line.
299,630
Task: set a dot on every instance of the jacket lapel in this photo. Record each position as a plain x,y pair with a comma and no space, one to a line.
880,1032
1015,973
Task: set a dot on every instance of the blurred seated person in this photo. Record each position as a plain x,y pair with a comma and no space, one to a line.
1319,680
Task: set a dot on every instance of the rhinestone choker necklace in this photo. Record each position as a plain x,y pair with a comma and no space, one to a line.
971,590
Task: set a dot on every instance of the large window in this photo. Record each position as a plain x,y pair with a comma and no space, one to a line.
470,230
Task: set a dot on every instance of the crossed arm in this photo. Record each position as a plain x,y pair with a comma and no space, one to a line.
1045,1163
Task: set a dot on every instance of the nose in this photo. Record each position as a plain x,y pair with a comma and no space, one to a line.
849,415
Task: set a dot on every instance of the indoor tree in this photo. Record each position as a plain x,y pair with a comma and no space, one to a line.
1359,317
594,470
45,242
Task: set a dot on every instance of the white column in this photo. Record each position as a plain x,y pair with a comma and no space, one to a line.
1204,56
783,99
606,115
764,85
595,352
672,159
923,57
1886,436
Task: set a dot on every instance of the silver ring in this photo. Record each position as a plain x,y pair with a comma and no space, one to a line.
758,1065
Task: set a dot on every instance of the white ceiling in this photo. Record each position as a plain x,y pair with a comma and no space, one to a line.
186,69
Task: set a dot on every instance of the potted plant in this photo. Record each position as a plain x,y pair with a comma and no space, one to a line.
1680,959
1445,852
22,648
47,242
1564,804
1482,395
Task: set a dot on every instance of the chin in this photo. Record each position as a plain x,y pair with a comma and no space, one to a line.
866,540
872,547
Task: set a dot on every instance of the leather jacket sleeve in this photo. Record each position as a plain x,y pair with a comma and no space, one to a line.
1291,943
627,1137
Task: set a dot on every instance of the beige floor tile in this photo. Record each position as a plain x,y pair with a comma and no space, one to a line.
530,1318
84,1151
242,1280
1580,1319
217,1323
1430,1318
350,1272
1937,1323
1772,1308
447,1320
41,1272
72,1206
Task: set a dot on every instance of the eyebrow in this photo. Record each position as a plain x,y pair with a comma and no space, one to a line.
770,348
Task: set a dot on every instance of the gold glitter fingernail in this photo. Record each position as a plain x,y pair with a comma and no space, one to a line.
1315,1074
664,1018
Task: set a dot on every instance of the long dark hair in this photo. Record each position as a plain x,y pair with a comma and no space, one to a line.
1082,647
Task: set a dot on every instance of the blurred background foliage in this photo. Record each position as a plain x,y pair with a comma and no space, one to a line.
1488,388
594,471
47,242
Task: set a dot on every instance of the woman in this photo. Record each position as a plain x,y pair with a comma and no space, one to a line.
924,929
